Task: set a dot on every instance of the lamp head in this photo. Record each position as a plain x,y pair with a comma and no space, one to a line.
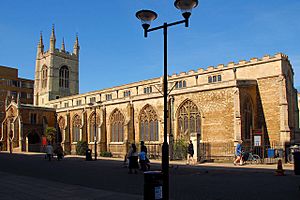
146,17
186,6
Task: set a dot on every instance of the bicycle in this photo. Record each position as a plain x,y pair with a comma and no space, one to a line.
290,156
252,158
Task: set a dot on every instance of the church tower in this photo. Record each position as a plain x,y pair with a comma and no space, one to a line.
56,71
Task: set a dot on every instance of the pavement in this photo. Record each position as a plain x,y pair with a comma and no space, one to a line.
22,185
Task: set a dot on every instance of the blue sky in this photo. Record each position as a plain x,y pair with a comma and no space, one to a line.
114,51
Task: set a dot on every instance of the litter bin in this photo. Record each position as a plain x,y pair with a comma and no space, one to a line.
297,162
153,182
88,155
271,153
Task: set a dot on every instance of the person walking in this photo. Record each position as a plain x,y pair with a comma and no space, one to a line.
190,153
1,145
59,152
238,153
133,159
147,161
49,151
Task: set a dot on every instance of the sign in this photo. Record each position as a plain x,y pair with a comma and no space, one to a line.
158,192
257,140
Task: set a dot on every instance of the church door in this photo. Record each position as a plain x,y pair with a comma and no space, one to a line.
34,142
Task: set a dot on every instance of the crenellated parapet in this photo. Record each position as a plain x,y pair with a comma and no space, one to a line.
230,65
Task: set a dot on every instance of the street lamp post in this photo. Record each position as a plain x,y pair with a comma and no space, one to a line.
146,16
95,126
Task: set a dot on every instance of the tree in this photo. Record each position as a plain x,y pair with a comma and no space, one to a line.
50,133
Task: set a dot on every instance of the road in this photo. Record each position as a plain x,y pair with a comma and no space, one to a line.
33,177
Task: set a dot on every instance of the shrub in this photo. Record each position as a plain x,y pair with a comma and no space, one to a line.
81,147
180,149
106,154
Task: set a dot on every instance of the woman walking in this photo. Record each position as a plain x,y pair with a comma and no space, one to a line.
133,159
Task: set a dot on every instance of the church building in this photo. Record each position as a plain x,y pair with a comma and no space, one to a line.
254,101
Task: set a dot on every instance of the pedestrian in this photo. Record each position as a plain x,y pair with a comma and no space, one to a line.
147,161
59,152
49,151
238,153
190,153
1,145
133,159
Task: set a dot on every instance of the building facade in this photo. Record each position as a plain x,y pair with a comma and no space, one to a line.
254,101
13,87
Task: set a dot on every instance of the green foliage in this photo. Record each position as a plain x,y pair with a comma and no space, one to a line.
50,133
180,149
81,147
106,154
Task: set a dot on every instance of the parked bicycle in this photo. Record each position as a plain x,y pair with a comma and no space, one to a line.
251,158
290,156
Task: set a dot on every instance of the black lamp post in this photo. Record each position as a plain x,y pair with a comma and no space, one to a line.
146,16
95,126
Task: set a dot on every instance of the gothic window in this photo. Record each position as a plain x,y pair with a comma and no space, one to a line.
64,77
189,119
44,76
61,123
93,127
247,118
117,122
76,128
148,124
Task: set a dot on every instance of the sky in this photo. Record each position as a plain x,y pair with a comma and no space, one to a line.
114,52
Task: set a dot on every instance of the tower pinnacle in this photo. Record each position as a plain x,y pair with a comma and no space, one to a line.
76,46
52,40
63,49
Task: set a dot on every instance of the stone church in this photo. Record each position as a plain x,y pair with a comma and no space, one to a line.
254,101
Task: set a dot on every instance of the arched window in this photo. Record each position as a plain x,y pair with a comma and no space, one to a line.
148,124
188,119
44,76
76,128
117,121
93,127
247,119
64,77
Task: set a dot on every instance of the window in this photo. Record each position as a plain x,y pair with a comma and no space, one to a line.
214,78
15,83
210,79
189,119
78,102
92,99
33,118
180,84
76,128
23,95
127,93
148,124
117,126
108,97
44,76
93,127
64,77
66,104
148,90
